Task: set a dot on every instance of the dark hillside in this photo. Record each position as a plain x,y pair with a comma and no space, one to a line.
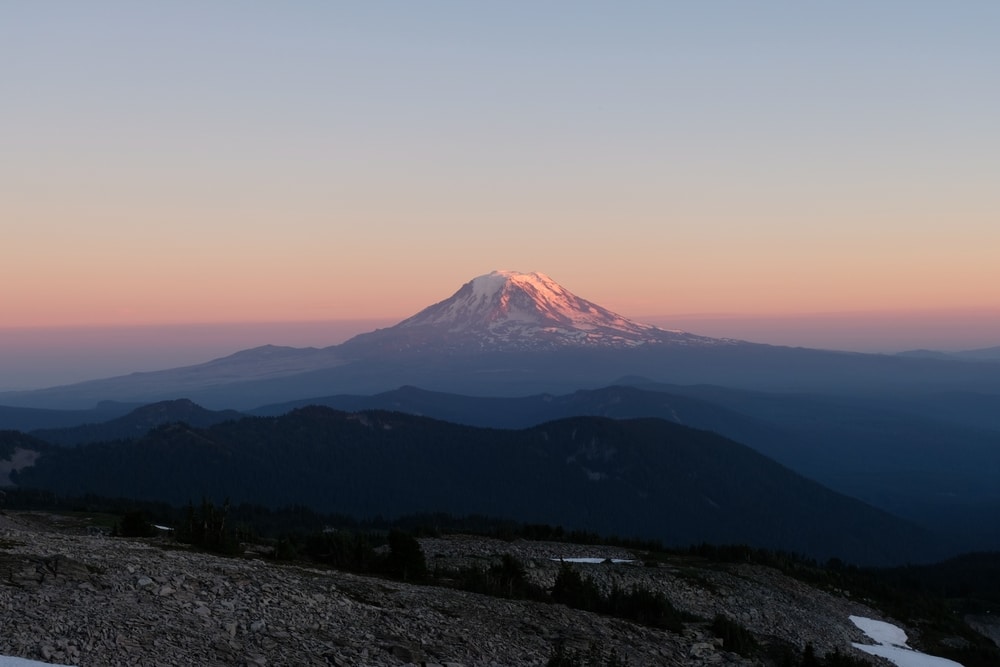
643,478
923,465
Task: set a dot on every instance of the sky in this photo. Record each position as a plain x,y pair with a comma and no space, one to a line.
769,169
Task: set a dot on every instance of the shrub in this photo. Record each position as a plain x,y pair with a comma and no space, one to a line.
134,523
734,636
572,590
406,558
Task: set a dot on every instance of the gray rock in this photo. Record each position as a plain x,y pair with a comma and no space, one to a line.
86,607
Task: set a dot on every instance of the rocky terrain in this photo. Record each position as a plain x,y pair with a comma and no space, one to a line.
76,597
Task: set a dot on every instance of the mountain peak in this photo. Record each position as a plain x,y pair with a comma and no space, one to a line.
510,310
495,281
510,299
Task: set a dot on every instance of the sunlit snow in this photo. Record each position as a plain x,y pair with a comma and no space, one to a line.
486,287
892,645
551,302
512,310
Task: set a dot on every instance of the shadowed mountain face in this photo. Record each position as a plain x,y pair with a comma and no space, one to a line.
646,478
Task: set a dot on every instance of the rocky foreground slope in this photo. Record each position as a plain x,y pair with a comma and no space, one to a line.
88,599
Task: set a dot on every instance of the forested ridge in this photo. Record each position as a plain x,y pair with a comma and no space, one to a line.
643,478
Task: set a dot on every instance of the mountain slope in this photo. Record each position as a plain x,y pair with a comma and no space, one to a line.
925,467
506,310
984,354
646,478
262,364
322,616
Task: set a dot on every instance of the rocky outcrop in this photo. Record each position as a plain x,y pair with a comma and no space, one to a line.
84,599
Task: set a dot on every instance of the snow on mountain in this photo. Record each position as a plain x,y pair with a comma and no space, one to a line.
508,310
502,297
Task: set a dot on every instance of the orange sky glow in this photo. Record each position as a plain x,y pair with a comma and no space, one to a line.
176,164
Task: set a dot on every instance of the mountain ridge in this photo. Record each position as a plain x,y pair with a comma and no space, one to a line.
515,334
640,477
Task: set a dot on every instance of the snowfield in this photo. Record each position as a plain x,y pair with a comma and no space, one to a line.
590,560
7,661
892,645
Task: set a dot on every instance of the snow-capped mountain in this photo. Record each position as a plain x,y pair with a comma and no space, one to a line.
512,334
501,313
508,310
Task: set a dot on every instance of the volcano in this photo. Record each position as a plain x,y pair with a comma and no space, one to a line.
515,334
512,311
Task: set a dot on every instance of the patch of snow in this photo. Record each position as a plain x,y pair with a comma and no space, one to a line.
592,560
892,645
486,287
9,661
881,632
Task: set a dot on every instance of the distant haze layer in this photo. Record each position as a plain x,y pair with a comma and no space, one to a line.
886,332
43,357
32,358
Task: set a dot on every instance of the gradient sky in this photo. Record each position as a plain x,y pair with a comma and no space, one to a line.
172,162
